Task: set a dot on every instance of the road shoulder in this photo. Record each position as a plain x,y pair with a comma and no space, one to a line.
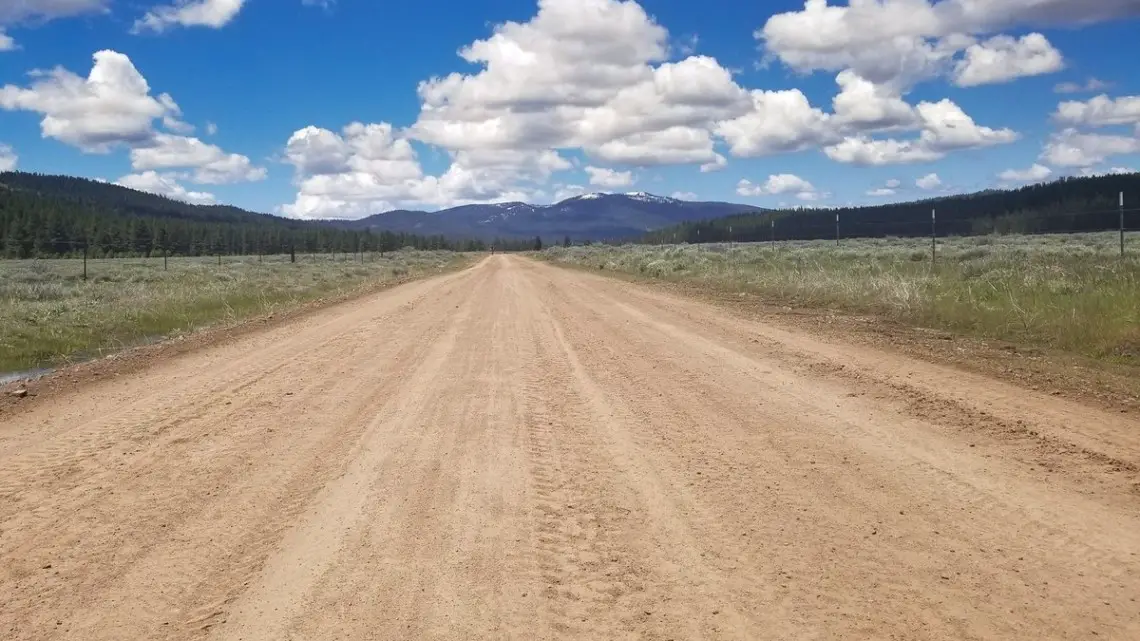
1108,386
20,396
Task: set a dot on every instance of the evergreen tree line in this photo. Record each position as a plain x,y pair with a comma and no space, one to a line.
1065,206
54,217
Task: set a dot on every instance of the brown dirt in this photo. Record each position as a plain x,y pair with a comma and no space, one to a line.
522,452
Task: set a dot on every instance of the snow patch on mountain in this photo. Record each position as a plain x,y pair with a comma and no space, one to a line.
507,211
649,198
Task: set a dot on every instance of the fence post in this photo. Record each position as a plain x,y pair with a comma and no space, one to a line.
1122,224
837,229
773,231
933,236
165,258
85,260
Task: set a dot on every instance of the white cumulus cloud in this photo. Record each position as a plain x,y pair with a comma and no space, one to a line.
945,128
1003,58
8,158
609,178
784,121
904,41
718,162
865,106
189,13
111,106
588,74
210,164
370,168
777,184
862,150
165,185
779,122
1091,85
1036,173
1072,148
929,182
563,192
1100,111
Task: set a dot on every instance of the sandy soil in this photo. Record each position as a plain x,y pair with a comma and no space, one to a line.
521,452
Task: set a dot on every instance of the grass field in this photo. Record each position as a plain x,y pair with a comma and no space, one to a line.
49,315
1070,292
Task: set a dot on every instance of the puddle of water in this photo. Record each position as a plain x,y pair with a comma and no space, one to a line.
29,375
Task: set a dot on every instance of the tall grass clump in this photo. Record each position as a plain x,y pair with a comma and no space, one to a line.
1072,292
50,315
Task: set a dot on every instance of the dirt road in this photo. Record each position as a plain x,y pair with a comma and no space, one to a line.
521,452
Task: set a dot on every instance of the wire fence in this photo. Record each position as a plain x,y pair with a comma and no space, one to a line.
1124,222
86,261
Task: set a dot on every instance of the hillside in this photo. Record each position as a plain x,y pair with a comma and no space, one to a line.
1066,205
45,216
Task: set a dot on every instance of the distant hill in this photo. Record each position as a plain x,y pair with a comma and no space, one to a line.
116,199
45,216
1063,206
585,217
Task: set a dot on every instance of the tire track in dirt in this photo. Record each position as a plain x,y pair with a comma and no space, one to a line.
314,543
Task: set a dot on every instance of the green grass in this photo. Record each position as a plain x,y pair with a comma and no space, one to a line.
1071,292
49,315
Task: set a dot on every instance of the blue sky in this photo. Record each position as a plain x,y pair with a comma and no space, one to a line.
343,109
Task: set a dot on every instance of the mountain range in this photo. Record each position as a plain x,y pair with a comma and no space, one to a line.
595,216
45,216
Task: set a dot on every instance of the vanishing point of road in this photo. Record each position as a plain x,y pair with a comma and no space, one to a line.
517,451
